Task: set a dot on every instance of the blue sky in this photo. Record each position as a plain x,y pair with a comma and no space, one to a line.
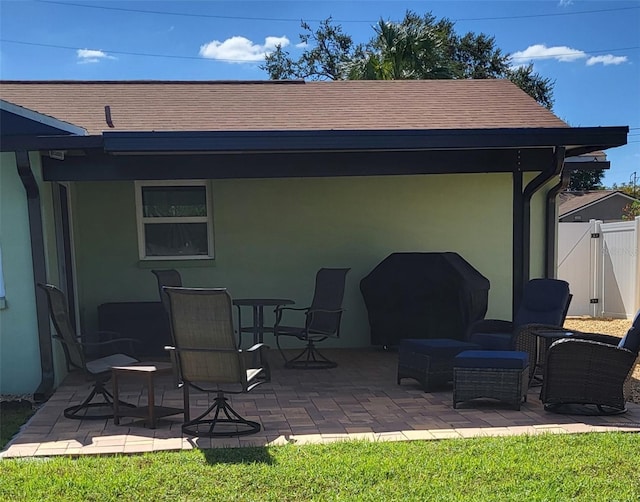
591,49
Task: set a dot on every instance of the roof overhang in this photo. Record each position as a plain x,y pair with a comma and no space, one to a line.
267,154
574,139
19,121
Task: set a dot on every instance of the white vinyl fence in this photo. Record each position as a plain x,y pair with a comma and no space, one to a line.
601,263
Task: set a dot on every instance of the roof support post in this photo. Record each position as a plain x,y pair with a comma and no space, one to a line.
518,239
39,273
551,220
522,222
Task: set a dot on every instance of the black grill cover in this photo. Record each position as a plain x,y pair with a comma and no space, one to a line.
423,295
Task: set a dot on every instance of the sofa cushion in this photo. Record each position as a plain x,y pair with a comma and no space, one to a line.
504,359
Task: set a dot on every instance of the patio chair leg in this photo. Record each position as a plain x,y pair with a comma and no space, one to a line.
80,411
310,358
230,424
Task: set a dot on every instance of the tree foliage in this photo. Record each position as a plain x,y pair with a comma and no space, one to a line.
631,210
581,180
418,47
628,188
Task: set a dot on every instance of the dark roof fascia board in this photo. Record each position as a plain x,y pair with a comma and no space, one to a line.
598,201
356,140
44,143
104,167
582,139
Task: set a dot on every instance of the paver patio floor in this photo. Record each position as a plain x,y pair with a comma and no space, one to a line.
358,399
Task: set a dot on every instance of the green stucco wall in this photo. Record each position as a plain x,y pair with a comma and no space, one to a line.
20,366
19,351
271,236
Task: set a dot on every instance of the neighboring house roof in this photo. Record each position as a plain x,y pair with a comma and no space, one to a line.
571,202
282,105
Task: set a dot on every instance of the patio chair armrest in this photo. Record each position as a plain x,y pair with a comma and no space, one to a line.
591,364
597,337
124,344
107,335
328,311
257,346
279,310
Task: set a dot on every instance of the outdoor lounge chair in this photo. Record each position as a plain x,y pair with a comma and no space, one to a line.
590,370
322,320
545,303
207,355
75,351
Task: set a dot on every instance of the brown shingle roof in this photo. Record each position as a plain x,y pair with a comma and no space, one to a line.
244,105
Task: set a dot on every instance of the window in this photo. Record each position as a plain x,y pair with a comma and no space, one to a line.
174,220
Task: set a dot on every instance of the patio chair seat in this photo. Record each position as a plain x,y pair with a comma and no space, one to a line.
429,361
106,363
496,374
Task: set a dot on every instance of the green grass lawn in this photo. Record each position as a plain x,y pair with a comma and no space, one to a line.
590,467
12,415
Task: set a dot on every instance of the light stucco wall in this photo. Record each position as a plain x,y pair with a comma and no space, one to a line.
271,236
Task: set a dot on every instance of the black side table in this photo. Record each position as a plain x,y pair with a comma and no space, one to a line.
545,339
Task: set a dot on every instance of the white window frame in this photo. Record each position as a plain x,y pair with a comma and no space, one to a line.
141,220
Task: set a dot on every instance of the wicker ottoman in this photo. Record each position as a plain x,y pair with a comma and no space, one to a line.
496,374
429,361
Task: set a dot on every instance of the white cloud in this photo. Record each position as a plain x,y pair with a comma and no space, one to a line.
91,56
240,49
606,60
302,45
565,3
541,51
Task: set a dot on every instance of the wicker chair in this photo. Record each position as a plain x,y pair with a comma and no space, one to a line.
206,354
545,303
590,370
75,351
322,320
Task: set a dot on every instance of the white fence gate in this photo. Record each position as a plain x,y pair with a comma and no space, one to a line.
601,263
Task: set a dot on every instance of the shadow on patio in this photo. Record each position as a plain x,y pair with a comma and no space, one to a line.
358,399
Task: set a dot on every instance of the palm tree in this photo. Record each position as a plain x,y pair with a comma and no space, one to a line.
402,51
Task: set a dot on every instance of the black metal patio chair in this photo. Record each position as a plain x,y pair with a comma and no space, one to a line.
76,356
322,320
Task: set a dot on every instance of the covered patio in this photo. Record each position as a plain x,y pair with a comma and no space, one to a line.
357,400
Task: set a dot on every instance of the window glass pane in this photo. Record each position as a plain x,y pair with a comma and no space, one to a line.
176,239
166,201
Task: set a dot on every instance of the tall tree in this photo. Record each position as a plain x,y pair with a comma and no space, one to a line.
411,50
418,47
